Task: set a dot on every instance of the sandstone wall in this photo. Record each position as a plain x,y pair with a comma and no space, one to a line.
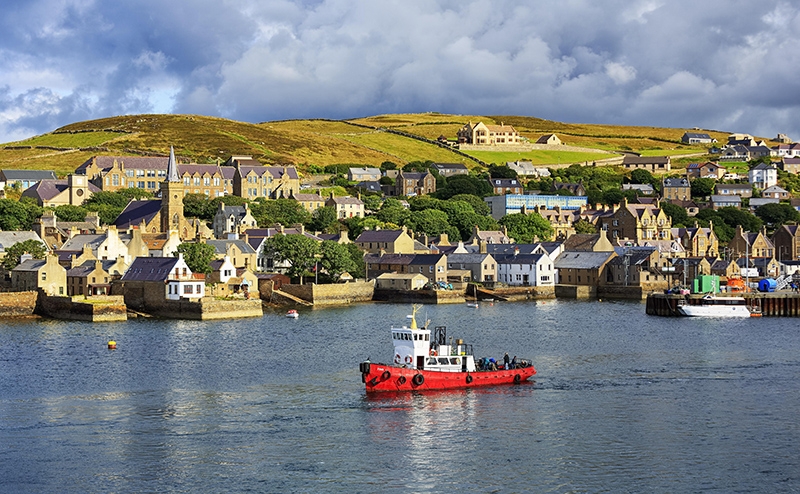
111,308
18,304
577,292
333,294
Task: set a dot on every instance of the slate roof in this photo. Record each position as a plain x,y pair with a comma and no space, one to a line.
77,242
379,235
501,249
136,211
30,265
475,258
635,255
105,163
582,260
676,182
370,186
48,189
23,175
694,135
221,245
7,239
150,269
275,171
345,200
628,159
396,259
526,259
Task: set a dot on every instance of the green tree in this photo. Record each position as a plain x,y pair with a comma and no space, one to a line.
115,199
478,204
14,253
134,193
284,211
198,256
297,250
676,213
524,228
431,222
68,212
197,206
465,184
372,202
498,171
324,220
702,187
775,215
642,176
393,211
14,215
336,259
584,226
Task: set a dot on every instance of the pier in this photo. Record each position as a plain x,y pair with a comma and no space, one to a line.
779,304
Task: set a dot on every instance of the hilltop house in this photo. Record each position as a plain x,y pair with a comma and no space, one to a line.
651,163
480,134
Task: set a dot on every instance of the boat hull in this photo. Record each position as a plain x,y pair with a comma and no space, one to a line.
713,311
388,378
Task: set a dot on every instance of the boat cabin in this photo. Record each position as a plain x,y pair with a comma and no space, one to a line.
414,348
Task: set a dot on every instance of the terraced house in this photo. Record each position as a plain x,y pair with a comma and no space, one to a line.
637,222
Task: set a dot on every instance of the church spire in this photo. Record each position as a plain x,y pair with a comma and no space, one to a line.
172,167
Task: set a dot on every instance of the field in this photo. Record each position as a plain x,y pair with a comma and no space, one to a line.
302,143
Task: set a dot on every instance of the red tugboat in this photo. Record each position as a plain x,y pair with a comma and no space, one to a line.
425,363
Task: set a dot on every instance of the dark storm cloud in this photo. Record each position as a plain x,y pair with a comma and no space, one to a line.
727,65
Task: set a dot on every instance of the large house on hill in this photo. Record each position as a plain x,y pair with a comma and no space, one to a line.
480,134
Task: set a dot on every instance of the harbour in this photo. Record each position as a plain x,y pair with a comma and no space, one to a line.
621,402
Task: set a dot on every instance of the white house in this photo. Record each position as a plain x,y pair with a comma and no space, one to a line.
763,176
525,270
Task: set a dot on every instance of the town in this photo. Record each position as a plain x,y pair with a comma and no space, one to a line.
157,236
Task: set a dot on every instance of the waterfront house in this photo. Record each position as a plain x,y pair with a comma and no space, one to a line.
226,280
40,274
256,237
786,241
725,268
525,270
432,266
239,251
698,241
155,279
90,278
751,244
639,266
689,268
582,268
401,281
482,267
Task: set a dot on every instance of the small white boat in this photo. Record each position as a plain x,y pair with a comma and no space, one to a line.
713,306
472,304
293,314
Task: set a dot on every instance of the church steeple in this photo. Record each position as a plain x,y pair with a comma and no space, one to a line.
172,167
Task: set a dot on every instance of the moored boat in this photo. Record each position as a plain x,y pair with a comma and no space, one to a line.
714,306
425,360
293,314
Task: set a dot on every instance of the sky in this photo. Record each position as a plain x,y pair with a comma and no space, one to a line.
728,65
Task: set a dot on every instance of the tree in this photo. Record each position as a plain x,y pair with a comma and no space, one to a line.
297,250
465,184
478,204
584,226
775,215
676,213
393,211
642,176
283,211
431,222
198,256
14,253
702,187
497,171
323,220
13,215
336,259
524,228
197,206
68,212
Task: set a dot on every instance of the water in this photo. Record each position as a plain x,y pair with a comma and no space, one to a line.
623,402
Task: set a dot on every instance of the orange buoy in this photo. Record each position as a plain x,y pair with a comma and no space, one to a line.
112,345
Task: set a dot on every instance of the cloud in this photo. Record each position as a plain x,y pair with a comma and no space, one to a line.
677,63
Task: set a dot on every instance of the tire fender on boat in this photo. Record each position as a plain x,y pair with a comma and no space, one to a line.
386,375
517,378
469,378
418,379
401,380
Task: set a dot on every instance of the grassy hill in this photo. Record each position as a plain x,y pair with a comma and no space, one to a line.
362,141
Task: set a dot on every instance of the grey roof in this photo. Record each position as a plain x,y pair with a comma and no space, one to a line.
77,242
48,189
635,255
7,239
30,265
399,259
221,246
582,259
12,175
150,269
476,258
695,135
726,198
368,185
519,258
136,211
676,182
499,249
644,159
379,235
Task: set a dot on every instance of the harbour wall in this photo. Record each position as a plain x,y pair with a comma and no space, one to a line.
420,296
18,304
333,294
772,304
513,293
91,309
148,298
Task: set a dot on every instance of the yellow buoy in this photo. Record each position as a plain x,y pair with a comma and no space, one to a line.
112,345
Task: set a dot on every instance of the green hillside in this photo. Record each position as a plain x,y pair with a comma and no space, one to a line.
363,141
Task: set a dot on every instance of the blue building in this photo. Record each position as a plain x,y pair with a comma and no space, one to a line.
513,203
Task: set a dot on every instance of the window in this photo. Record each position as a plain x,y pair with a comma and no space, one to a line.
187,289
